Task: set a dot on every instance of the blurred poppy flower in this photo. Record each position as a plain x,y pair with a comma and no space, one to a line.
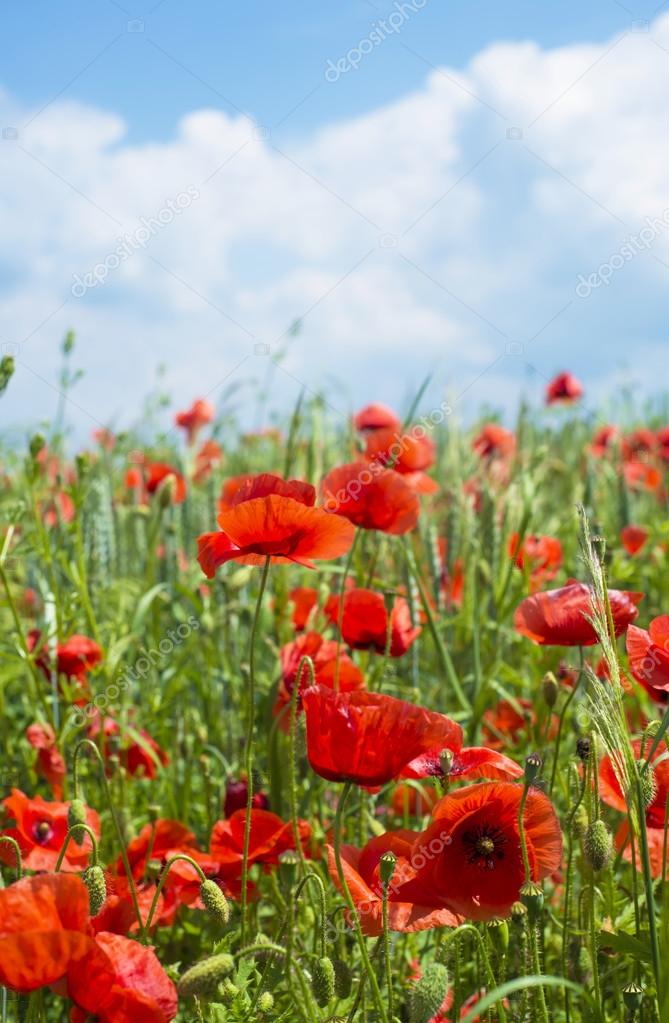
563,388
478,869
105,438
230,488
75,657
663,443
208,457
39,827
453,584
50,762
304,600
372,498
154,842
656,848
324,654
139,753
409,454
494,441
506,723
59,508
633,538
368,738
648,654
361,872
376,417
559,617
271,517
193,419
540,555
236,795
603,440
270,836
641,476
365,622
159,474
611,791
638,443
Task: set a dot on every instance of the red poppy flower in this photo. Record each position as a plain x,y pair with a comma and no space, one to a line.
50,762
236,795
304,600
158,474
44,930
655,848
494,441
361,871
603,440
270,836
156,840
134,479
105,438
368,738
541,555
558,617
505,724
193,419
663,443
611,792
563,388
471,852
208,457
324,654
365,622
230,488
59,508
648,653
271,517
639,443
410,454
633,538
40,828
371,497
641,476
376,417
469,762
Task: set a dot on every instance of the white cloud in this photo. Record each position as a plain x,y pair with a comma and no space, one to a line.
420,235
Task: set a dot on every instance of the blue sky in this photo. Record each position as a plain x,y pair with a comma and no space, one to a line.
431,206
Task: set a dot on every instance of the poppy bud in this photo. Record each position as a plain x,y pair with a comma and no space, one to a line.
632,997
76,815
583,747
228,992
550,688
446,761
204,977
518,913
265,1003
94,879
597,845
6,371
532,897
499,934
37,442
584,963
387,867
343,978
428,993
533,765
215,902
323,981
153,811
648,784
68,342
166,491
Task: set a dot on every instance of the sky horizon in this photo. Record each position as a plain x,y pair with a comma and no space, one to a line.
475,193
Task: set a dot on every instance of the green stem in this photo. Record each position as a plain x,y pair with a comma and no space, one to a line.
163,878
563,712
17,852
69,836
307,662
386,947
340,611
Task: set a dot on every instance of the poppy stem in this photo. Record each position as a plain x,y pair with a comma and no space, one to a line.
89,744
648,884
364,955
386,945
563,713
340,610
17,852
249,749
163,878
299,888
69,836
307,662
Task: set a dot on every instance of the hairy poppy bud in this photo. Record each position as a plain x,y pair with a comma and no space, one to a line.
632,997
532,767
204,977
387,867
583,747
550,688
76,815
343,978
532,897
215,902
94,879
598,845
428,993
580,823
265,1003
228,992
323,981
37,442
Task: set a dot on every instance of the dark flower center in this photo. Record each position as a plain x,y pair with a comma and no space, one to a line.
484,846
42,832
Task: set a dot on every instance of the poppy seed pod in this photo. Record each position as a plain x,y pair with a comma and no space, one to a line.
598,845
446,758
550,689
532,897
532,767
498,930
203,978
323,981
387,867
215,901
583,748
94,879
428,993
632,997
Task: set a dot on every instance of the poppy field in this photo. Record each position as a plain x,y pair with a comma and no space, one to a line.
346,719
